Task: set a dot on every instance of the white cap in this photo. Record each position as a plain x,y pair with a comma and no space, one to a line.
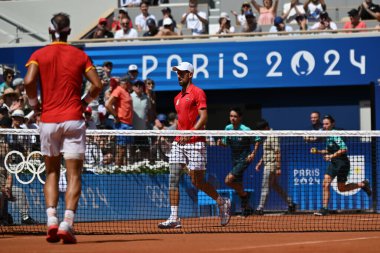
224,15
18,81
18,113
133,67
167,21
184,66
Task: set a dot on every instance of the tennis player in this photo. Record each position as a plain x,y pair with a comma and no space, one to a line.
59,68
191,108
336,153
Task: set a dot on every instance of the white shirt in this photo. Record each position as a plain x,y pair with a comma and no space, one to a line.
141,105
132,33
291,18
273,29
193,22
314,11
141,21
128,2
242,20
333,26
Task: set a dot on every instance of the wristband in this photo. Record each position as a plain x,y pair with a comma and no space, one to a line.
33,101
87,98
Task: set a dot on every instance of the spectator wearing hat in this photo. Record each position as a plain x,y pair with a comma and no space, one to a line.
168,29
195,20
240,18
101,30
354,22
131,3
116,24
279,26
140,20
152,28
369,10
251,23
313,8
89,120
8,76
126,32
325,23
10,99
18,85
267,12
225,26
292,10
133,72
166,13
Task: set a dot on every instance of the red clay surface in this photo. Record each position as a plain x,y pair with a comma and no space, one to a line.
340,242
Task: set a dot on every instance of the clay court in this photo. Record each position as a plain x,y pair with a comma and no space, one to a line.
237,242
210,237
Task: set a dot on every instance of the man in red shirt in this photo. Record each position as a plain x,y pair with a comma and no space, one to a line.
59,68
120,106
190,152
354,22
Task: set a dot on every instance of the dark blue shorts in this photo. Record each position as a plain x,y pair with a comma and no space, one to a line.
123,140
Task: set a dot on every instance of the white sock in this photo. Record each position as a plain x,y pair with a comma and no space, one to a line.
51,213
69,217
174,212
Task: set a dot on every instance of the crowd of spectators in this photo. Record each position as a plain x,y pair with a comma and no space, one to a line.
309,15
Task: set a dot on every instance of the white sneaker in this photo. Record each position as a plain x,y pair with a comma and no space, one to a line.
66,233
170,223
225,212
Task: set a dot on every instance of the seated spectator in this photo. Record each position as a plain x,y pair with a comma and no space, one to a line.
369,10
18,86
102,30
313,8
267,12
292,10
302,22
166,13
93,155
172,121
130,3
126,32
8,76
123,13
225,26
325,23
4,113
140,20
10,100
240,18
168,29
279,26
251,23
160,122
354,22
153,29
195,20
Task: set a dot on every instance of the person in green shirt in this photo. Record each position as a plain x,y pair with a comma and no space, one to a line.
242,156
336,154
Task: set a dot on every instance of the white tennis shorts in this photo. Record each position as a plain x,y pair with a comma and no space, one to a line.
192,154
64,137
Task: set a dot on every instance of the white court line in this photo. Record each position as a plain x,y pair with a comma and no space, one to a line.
294,244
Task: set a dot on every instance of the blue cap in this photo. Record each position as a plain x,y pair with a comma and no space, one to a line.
278,20
161,117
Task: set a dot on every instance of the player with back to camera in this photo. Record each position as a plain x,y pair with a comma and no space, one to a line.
336,154
190,152
59,68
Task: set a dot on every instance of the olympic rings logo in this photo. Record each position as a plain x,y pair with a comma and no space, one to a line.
15,163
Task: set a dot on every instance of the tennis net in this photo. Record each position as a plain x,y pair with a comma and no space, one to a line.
125,181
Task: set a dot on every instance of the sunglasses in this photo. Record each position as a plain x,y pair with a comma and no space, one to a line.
124,24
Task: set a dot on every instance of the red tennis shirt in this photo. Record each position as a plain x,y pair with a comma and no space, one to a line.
187,105
61,68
